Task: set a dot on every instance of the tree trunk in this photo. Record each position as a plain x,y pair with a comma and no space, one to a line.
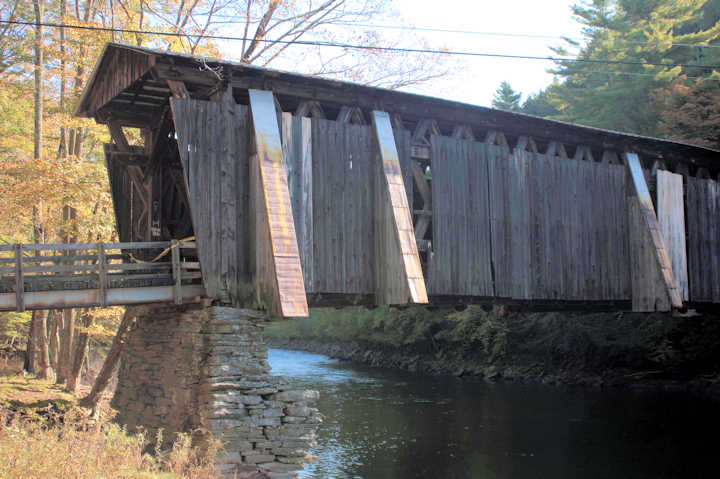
66,346
54,331
111,361
68,334
39,14
63,147
78,357
29,365
44,369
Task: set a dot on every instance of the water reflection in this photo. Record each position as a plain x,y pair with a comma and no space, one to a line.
389,424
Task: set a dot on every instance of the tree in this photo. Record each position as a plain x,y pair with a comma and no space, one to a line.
111,361
13,40
692,112
634,32
541,103
505,98
52,178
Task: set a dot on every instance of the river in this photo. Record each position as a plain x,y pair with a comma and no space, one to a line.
395,424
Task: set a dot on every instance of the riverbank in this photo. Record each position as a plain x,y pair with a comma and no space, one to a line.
592,349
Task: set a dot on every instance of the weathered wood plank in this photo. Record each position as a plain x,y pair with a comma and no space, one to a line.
519,206
397,239
671,218
301,191
213,144
440,281
275,206
649,292
652,228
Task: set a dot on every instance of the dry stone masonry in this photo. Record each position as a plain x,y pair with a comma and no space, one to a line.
204,369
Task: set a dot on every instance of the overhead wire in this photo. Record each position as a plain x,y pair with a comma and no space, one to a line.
255,20
364,47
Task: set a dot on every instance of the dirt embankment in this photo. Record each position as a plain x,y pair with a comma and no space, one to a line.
593,349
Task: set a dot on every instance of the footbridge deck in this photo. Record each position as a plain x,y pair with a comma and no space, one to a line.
49,276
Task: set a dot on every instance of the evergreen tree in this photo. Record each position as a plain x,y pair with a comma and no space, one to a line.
541,104
505,98
624,96
692,113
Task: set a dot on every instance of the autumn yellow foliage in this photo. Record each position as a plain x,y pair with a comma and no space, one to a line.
44,434
71,449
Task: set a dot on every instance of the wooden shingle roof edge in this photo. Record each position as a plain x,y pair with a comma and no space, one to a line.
409,106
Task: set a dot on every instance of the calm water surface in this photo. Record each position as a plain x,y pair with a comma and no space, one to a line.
392,424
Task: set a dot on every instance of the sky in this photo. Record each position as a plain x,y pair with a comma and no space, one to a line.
477,78
510,27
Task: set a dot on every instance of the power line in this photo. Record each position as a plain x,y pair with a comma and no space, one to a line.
254,20
362,47
510,35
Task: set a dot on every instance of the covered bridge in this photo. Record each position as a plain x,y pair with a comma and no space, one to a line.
306,191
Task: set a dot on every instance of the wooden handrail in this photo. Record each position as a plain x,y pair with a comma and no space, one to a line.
94,246
92,268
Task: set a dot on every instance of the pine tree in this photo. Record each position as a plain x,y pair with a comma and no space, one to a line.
692,113
505,98
541,104
624,96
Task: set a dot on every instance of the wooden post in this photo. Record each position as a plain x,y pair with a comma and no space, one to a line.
278,274
398,275
19,282
645,274
102,274
176,271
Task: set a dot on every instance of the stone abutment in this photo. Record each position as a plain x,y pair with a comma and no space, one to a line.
204,370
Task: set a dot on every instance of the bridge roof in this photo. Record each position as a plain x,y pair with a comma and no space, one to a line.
132,85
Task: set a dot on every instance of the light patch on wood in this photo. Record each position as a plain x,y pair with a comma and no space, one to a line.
647,212
671,218
396,238
275,197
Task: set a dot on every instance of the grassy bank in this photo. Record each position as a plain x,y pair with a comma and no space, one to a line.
568,347
415,327
43,433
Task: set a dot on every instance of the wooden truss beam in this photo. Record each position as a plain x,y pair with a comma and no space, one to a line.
398,275
278,273
412,110
350,114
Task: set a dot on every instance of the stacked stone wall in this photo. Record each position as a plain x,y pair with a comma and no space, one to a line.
204,369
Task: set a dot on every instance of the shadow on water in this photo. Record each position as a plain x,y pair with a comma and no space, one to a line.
391,424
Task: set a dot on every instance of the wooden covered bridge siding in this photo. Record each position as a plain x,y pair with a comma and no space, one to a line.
526,225
506,222
499,208
703,239
330,169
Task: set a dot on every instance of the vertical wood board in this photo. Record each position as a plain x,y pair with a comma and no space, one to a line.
212,141
671,218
